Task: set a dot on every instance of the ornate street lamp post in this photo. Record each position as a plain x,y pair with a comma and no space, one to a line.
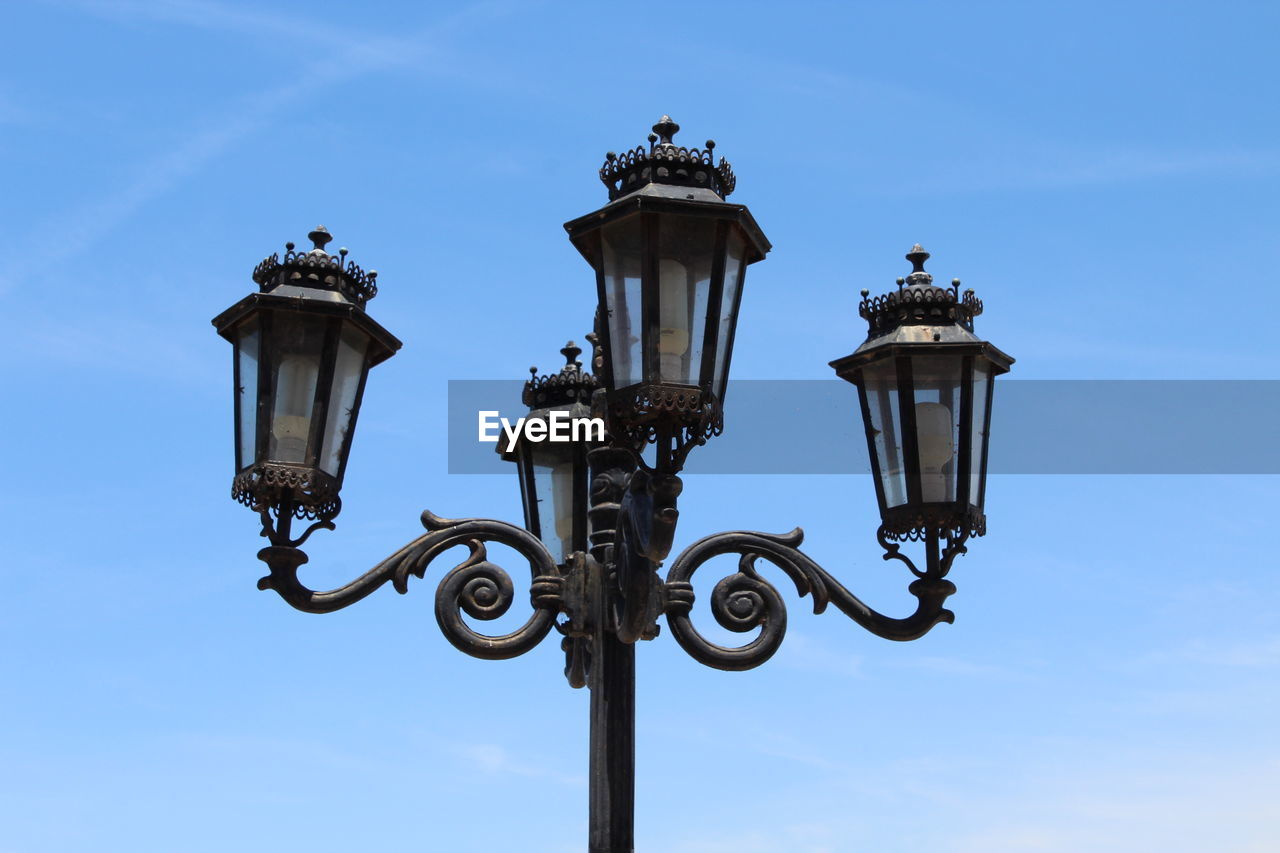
670,257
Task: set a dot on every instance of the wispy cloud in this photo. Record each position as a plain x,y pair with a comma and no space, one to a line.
111,343
958,666
751,841
1043,167
987,150
1192,807
77,229
246,20
1257,653
497,760
804,653
1099,799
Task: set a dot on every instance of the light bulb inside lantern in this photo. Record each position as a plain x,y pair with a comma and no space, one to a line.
673,319
562,503
936,448
295,396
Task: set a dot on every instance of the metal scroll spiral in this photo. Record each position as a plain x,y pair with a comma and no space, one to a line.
483,590
745,601
476,587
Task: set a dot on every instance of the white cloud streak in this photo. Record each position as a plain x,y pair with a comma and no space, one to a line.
988,152
349,55
1099,799
497,760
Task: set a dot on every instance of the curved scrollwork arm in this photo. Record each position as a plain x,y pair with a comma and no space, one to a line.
475,586
744,601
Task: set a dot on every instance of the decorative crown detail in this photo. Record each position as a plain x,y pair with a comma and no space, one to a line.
319,269
918,302
570,385
666,163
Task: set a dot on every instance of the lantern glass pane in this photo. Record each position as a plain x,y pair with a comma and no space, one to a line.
686,248
621,255
347,372
981,379
880,380
937,400
736,250
298,342
554,487
247,392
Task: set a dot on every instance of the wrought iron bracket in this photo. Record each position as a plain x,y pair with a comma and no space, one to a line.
745,601
476,587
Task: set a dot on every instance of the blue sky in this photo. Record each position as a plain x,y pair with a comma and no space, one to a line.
1104,175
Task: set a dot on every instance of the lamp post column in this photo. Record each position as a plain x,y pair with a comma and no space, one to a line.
613,755
612,671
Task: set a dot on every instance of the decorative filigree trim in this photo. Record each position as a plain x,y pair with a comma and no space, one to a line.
655,400
642,414
317,268
905,524
918,305
666,163
918,301
313,494
570,385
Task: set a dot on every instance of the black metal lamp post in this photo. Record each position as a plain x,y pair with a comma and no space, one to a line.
670,256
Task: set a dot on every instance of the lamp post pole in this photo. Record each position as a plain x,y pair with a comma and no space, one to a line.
670,256
612,677
613,752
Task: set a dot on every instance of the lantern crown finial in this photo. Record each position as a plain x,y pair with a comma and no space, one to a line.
571,385
919,302
666,128
918,256
319,238
664,162
571,351
316,269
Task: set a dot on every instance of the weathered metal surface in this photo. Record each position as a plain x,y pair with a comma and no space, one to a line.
745,601
607,595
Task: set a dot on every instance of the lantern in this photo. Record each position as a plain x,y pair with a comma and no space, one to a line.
670,256
553,472
925,382
303,347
